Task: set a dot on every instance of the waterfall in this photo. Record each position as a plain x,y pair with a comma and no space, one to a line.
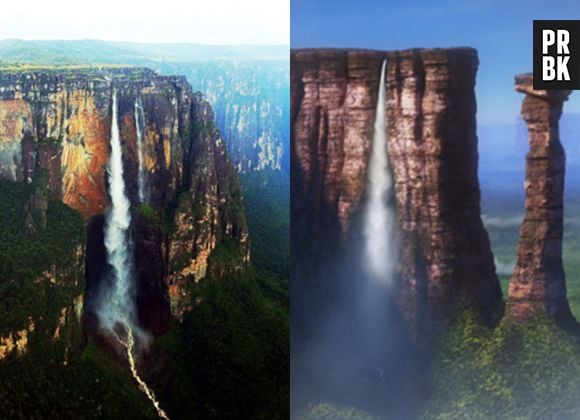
379,217
117,311
139,125
118,308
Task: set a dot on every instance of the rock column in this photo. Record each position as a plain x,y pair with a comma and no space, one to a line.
538,284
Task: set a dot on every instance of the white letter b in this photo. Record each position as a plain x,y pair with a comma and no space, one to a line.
548,68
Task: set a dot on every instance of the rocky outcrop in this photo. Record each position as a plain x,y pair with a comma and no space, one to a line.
55,127
538,284
444,251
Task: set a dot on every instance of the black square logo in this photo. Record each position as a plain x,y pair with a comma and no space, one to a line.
556,54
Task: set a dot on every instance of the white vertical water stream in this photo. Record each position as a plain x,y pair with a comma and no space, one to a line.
119,306
139,127
379,217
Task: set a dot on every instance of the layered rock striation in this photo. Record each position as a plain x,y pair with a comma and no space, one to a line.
55,126
444,251
333,99
538,283
59,121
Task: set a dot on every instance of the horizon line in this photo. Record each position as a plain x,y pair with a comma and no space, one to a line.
281,45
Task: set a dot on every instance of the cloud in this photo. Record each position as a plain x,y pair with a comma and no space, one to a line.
502,221
504,268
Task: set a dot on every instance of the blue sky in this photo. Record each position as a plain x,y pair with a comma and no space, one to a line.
500,30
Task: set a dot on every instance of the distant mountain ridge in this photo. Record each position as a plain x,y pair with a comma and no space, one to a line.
66,52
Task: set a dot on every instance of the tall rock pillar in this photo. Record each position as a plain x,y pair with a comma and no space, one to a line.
538,284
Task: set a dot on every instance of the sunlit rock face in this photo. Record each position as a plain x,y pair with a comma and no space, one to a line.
538,284
444,252
58,122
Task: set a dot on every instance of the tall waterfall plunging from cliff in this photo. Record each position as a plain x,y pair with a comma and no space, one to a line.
379,217
117,311
139,127
119,307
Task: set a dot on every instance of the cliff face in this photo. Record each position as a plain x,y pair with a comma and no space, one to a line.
333,99
538,284
250,101
444,251
61,122
209,213
58,123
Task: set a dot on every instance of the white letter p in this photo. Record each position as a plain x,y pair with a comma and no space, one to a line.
548,38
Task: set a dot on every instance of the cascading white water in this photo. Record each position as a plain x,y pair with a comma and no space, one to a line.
118,308
117,311
379,218
139,124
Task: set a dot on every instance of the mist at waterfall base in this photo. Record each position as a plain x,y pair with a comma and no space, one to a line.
350,346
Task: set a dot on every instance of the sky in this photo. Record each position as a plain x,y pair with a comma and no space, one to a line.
501,30
197,21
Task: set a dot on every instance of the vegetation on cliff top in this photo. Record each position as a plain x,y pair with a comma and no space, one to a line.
23,67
